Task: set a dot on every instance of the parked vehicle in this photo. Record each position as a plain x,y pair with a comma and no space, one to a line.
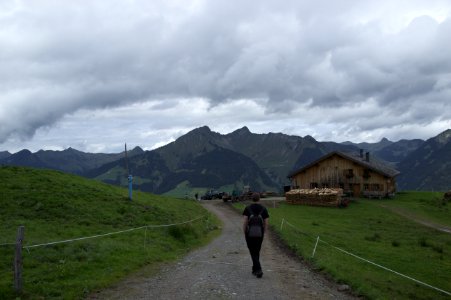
245,195
212,194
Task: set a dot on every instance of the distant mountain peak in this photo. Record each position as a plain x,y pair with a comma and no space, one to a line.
203,132
444,137
138,149
71,150
242,131
384,142
309,138
24,152
200,130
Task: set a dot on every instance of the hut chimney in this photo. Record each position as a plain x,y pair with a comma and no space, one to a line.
361,153
367,157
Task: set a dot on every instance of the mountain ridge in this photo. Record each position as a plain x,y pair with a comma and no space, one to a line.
196,160
429,166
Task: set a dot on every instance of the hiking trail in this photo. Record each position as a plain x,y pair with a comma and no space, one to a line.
222,270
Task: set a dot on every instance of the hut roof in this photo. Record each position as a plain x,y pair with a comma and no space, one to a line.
373,164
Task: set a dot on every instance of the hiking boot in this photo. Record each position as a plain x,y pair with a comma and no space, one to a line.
259,274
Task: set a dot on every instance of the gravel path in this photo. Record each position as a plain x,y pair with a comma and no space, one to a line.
222,270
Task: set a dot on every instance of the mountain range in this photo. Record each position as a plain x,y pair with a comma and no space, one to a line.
203,159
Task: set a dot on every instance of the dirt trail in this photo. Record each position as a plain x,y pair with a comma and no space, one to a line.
411,216
222,270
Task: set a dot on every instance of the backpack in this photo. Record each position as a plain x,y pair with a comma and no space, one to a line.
255,224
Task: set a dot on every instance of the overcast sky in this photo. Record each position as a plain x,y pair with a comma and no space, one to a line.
94,74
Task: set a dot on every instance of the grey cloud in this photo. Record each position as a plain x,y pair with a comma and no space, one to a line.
66,57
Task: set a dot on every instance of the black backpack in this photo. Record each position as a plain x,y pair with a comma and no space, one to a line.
255,224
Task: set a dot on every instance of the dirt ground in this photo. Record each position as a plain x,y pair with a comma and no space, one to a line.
222,270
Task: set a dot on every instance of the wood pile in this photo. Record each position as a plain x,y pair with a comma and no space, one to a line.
447,196
315,197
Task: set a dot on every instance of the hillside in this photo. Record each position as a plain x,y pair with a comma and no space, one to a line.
68,160
384,142
209,167
429,166
54,206
392,152
398,151
276,154
4,154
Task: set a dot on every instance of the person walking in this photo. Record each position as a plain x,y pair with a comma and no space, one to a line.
255,223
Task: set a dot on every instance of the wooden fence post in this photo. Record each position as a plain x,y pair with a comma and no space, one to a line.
18,260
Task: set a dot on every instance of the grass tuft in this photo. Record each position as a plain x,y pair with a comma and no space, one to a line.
373,238
395,243
423,242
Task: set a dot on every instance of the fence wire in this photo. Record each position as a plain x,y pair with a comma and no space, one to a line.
111,233
284,221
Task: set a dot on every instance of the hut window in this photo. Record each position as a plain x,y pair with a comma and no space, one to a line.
366,174
366,187
376,187
349,173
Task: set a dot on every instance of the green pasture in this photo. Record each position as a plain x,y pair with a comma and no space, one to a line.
54,206
369,230
424,205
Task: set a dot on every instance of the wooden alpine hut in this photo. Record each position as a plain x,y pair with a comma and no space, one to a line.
358,175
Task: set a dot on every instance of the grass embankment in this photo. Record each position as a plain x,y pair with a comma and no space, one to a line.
376,233
54,206
428,206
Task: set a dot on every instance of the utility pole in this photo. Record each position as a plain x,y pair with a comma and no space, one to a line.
130,177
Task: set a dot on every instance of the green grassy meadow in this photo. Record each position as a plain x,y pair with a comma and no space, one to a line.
424,205
54,206
375,233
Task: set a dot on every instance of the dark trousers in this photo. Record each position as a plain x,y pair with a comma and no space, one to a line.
254,245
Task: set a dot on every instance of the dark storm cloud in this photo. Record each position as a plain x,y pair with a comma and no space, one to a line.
57,58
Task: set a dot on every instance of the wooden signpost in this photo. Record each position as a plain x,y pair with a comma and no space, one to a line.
18,260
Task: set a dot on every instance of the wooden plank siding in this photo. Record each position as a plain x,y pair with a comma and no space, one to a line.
336,171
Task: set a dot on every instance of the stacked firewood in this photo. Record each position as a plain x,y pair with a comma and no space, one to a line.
315,197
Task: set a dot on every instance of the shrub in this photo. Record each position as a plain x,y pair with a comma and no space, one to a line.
423,242
374,238
437,248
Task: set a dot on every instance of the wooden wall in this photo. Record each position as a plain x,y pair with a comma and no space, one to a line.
352,177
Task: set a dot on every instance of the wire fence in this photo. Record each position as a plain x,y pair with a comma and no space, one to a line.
7,244
111,233
18,264
283,222
319,240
